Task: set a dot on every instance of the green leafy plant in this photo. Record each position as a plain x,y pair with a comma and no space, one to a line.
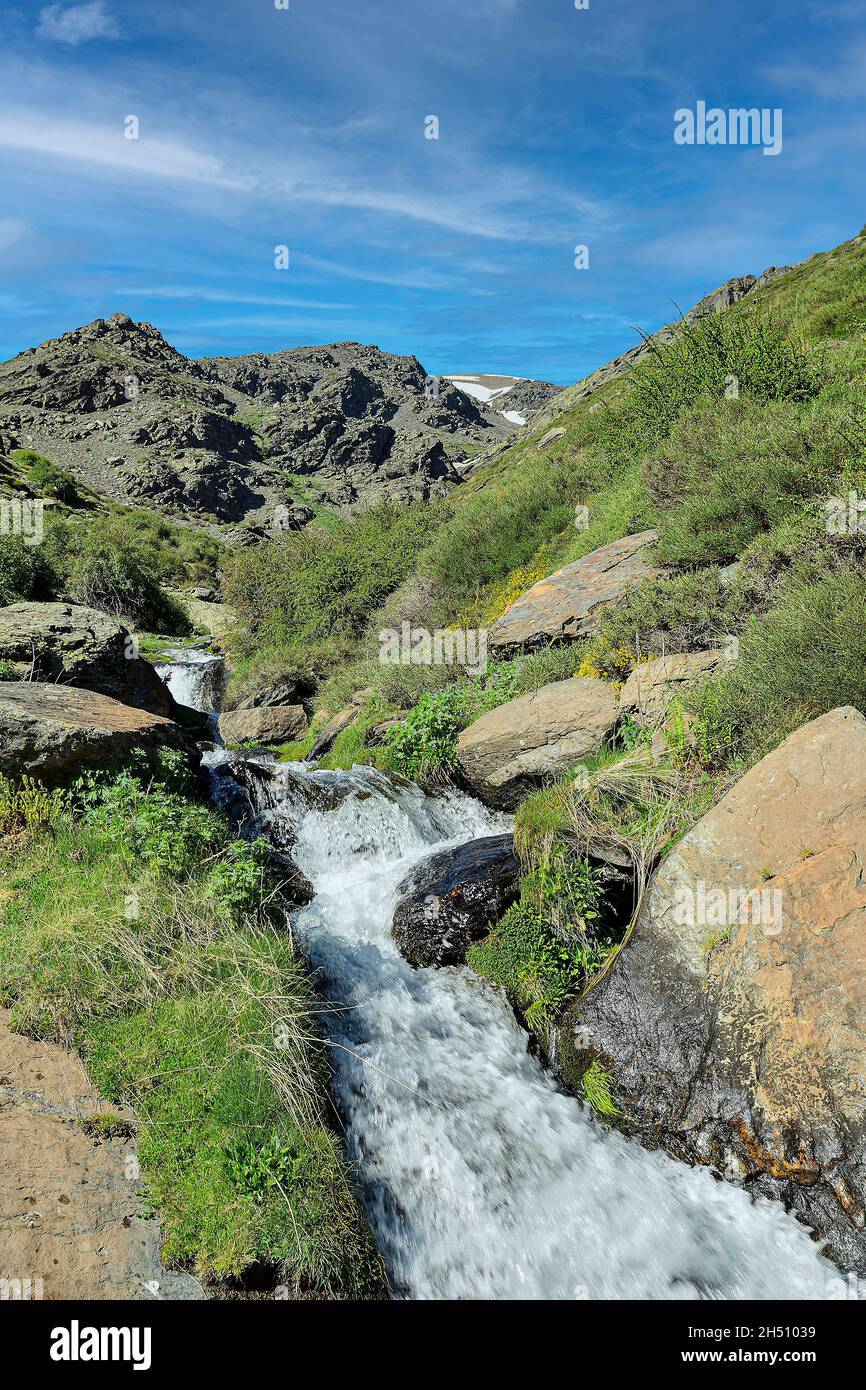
254,1169
28,805
424,747
44,477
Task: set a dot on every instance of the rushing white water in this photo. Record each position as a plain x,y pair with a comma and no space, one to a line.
195,678
481,1179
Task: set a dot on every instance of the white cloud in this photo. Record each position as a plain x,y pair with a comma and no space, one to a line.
41,133
75,24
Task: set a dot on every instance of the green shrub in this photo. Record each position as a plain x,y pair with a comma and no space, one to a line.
803,657
545,948
109,563
673,379
318,589
44,477
677,613
424,748
729,473
26,572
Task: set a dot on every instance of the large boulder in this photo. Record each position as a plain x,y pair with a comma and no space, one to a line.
72,645
566,604
265,724
654,685
733,1021
454,898
535,739
49,731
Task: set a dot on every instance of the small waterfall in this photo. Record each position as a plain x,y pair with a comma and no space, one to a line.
481,1179
195,678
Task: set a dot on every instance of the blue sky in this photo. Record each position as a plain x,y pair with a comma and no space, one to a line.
305,128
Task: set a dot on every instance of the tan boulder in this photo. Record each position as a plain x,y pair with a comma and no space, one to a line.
733,1021
264,724
332,730
535,739
48,731
566,604
654,685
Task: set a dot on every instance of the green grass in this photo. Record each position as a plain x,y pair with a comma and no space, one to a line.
136,928
595,1084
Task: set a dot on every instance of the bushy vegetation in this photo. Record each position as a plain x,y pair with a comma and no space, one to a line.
545,948
315,590
805,656
119,562
136,927
44,477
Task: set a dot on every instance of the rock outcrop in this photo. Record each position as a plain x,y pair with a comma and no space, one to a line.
653,685
535,739
732,1020
72,645
265,724
264,441
454,898
49,731
566,604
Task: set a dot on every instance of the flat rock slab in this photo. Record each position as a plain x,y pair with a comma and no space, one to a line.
454,898
266,724
535,739
654,685
566,603
73,645
72,1217
49,731
733,1021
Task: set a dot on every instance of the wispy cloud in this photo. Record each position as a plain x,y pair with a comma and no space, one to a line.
195,295
75,24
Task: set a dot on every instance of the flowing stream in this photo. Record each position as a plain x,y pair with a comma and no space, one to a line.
195,678
481,1179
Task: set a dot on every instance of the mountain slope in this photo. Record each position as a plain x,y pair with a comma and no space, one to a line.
242,442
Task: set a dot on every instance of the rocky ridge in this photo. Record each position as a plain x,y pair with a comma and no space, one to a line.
248,444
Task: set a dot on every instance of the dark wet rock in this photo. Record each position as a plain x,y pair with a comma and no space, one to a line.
454,898
294,688
72,645
731,1022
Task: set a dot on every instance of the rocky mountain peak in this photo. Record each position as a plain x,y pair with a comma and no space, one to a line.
235,442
